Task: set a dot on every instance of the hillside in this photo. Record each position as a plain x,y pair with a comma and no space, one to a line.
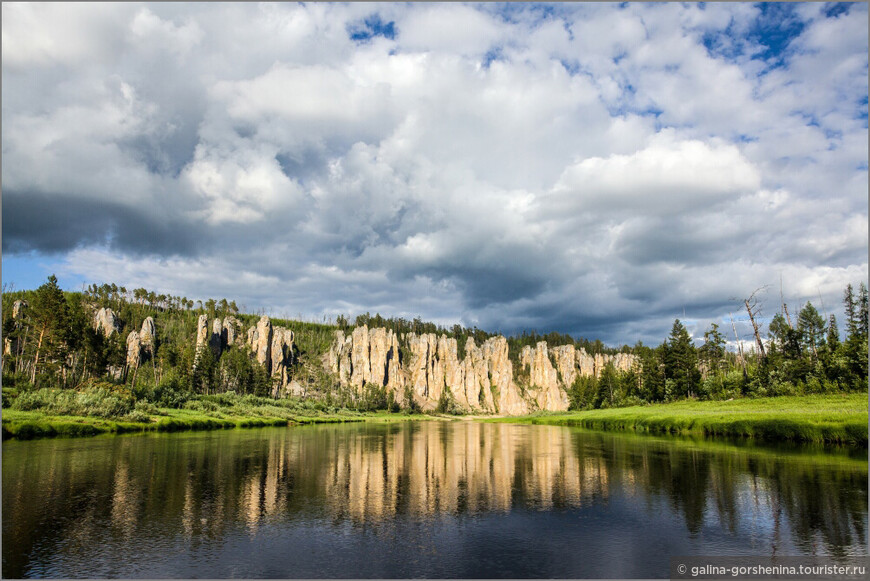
164,350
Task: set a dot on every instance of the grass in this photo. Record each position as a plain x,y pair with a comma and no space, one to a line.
26,425
49,413
840,418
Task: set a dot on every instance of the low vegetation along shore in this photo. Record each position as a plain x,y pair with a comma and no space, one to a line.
98,410
839,418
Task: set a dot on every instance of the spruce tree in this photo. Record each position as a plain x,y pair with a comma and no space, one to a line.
681,361
49,316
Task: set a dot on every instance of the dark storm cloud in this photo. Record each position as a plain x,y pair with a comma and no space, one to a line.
38,221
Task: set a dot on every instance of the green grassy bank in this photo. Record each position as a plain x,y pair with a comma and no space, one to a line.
50,413
840,418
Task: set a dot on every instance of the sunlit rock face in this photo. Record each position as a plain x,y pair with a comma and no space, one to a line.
134,347
202,333
13,346
496,354
281,358
141,345
263,344
231,332
273,347
148,337
107,322
429,370
544,385
18,308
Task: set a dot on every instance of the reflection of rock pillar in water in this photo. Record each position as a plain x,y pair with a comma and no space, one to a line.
187,514
478,462
249,502
125,499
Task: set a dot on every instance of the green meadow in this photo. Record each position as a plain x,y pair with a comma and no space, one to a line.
839,418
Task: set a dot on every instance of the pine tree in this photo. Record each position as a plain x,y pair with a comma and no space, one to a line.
713,350
49,316
851,311
833,339
811,326
681,361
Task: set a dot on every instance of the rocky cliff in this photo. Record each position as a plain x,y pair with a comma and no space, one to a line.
107,322
141,344
272,347
13,346
429,370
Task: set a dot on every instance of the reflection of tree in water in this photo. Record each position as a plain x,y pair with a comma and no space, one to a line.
824,507
198,487
825,503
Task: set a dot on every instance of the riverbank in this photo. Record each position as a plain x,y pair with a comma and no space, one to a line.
838,418
55,413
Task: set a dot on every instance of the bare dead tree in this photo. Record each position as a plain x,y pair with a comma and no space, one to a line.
739,344
782,302
753,307
822,303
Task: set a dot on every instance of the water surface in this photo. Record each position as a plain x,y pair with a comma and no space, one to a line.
417,499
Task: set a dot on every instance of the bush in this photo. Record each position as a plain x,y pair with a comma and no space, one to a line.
145,407
98,402
138,416
9,396
446,403
169,393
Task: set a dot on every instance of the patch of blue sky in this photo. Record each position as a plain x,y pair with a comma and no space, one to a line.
493,54
777,25
572,66
514,12
30,270
834,9
861,110
370,27
721,44
770,36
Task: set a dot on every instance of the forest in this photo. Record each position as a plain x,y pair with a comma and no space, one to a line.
53,353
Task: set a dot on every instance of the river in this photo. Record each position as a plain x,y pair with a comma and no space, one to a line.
417,499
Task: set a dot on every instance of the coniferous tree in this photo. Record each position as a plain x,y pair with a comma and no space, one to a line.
833,338
681,362
49,316
712,352
811,326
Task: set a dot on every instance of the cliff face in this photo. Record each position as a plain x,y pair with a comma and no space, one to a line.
141,344
367,356
106,322
272,347
544,385
426,371
481,382
14,346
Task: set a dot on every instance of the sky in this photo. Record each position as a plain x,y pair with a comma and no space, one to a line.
595,169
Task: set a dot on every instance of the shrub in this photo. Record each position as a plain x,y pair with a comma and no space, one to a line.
169,393
9,396
138,416
145,407
91,401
